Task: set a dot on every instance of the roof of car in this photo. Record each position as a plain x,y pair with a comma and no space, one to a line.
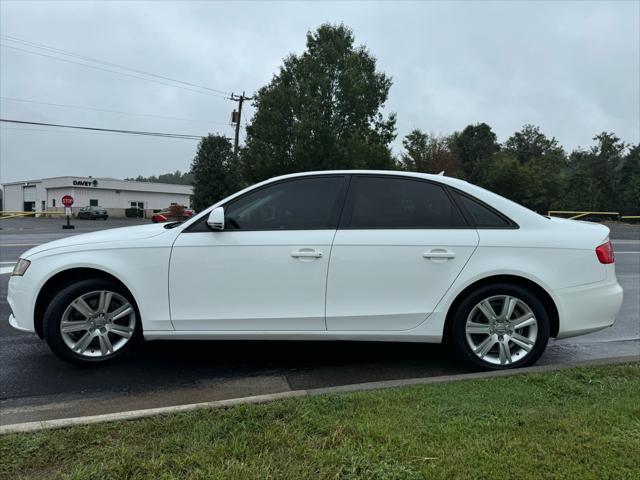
515,211
512,209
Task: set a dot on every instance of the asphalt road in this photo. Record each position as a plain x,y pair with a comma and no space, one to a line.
31,375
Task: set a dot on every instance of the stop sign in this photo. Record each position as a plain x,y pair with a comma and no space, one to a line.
67,200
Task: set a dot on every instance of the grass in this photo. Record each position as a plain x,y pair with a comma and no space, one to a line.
579,423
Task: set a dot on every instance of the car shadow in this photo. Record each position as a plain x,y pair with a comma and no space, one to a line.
172,364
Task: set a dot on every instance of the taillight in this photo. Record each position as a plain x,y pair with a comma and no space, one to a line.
605,253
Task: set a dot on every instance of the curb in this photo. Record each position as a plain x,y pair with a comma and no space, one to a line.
136,414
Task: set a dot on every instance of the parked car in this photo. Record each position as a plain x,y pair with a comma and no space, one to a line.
93,213
165,215
344,255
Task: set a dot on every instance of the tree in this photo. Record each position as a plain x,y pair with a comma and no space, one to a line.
473,148
545,162
321,111
530,144
176,177
506,176
596,176
216,172
428,153
630,182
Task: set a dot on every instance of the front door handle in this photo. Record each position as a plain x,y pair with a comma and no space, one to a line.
439,253
306,253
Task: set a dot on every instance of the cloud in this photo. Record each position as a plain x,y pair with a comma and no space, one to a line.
573,68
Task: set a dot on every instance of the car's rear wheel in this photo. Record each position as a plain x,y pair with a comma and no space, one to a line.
92,321
500,327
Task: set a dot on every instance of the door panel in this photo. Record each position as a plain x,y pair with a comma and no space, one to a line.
392,279
267,270
401,245
249,280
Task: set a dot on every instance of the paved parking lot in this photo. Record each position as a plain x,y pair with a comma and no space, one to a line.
164,373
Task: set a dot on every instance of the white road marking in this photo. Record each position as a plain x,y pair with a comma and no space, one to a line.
4,270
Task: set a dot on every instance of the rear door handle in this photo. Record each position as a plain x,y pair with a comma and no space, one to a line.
306,253
439,253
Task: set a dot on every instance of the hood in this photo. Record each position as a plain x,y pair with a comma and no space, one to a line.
101,236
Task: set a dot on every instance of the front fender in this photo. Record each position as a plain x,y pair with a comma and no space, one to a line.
143,271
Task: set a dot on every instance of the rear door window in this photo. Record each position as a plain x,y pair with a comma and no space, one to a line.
395,203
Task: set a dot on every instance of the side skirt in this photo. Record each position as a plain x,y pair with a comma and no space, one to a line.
361,336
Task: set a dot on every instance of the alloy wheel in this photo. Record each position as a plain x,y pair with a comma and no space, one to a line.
501,330
98,323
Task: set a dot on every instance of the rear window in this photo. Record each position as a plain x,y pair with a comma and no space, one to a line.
482,215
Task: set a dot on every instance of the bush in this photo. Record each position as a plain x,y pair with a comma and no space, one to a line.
134,212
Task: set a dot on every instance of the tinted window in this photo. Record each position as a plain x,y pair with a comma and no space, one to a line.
293,205
481,215
378,202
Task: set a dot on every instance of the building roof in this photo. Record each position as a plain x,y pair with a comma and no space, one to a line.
107,183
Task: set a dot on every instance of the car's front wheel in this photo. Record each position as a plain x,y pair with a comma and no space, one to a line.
92,321
501,326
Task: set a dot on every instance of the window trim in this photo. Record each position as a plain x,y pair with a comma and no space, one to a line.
510,224
347,210
334,218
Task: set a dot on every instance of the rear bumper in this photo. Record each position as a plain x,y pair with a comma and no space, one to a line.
588,308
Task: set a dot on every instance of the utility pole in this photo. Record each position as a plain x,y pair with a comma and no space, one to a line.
236,116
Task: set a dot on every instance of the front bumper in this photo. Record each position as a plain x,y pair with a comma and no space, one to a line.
16,325
21,299
588,308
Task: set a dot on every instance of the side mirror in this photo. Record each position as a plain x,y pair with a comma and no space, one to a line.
216,219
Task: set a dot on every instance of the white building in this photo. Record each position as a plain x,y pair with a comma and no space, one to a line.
114,195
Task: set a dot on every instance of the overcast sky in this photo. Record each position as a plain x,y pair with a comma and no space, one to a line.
573,68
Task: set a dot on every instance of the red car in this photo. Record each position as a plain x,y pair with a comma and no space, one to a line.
165,215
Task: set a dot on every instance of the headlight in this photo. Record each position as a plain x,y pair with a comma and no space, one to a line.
20,267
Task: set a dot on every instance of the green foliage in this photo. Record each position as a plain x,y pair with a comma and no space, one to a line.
321,111
605,177
215,170
533,169
530,144
543,162
177,178
473,147
428,153
630,181
506,176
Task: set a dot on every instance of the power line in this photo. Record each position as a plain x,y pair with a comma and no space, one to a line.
79,107
83,132
102,62
112,71
96,129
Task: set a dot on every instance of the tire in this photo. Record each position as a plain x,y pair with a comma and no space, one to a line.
85,329
508,346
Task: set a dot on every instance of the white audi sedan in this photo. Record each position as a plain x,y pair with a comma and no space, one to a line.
334,255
